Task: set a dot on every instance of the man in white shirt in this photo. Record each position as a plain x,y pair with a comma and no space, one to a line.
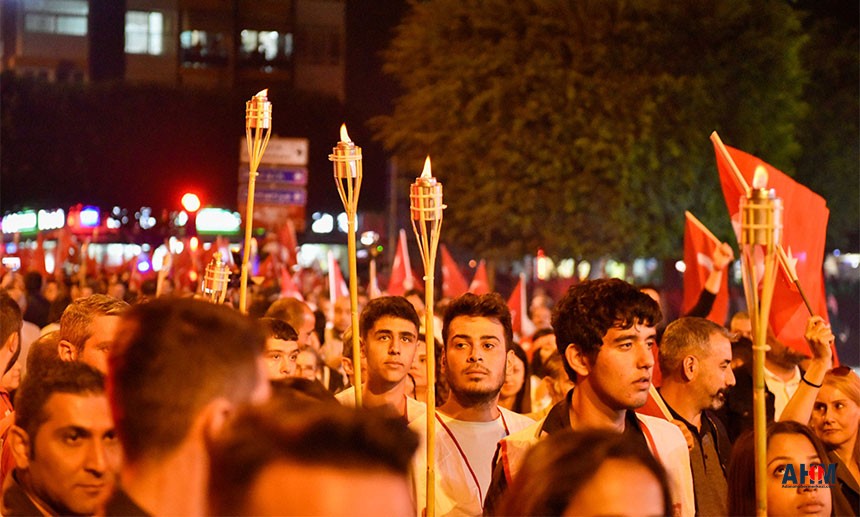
478,339
389,337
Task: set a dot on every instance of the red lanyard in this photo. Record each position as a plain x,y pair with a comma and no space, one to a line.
463,454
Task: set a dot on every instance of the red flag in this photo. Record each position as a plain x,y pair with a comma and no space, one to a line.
805,216
61,253
401,279
517,305
336,285
288,286
38,264
699,247
480,284
289,241
453,282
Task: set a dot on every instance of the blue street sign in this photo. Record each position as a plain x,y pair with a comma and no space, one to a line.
287,175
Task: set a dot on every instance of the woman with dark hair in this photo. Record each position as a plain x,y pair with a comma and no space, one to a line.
787,443
588,473
516,391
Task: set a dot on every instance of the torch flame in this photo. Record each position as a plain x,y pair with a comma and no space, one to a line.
426,172
344,136
262,94
760,177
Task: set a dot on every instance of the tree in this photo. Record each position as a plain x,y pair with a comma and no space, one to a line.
582,126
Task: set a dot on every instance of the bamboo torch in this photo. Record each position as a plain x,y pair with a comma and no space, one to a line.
761,231
216,280
258,128
425,202
346,161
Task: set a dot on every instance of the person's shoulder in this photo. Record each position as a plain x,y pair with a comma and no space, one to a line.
662,429
346,397
415,409
516,421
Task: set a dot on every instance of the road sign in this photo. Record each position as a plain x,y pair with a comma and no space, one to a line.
280,151
286,175
266,195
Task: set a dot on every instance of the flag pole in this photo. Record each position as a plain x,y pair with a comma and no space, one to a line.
348,173
788,266
739,178
425,203
761,229
258,129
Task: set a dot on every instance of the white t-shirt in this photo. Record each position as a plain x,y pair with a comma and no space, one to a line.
458,492
782,390
414,408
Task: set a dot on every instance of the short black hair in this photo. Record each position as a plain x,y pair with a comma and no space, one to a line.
279,329
394,306
11,318
490,305
328,435
73,377
588,310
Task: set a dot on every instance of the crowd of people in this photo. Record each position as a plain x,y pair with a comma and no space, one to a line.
121,402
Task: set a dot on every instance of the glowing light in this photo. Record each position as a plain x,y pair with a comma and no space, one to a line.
680,266
426,172
191,202
344,136
193,243
51,219
89,217
143,266
760,178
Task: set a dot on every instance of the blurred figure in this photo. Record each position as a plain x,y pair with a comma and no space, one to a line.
588,473
63,443
741,325
88,330
308,364
516,391
320,460
37,305
180,367
787,443
282,348
299,316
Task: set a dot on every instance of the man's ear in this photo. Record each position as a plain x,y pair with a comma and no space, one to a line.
577,360
362,346
346,363
67,351
12,343
689,368
212,419
19,443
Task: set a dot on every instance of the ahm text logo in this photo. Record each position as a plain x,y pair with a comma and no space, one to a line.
809,476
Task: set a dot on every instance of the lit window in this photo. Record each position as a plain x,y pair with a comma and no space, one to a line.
144,32
63,17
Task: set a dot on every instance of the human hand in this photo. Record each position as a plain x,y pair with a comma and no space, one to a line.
685,431
723,256
820,338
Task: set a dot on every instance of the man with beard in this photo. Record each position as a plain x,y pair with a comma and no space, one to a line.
695,357
478,341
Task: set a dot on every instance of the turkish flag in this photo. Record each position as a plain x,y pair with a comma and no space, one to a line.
38,264
336,285
453,282
699,247
288,286
805,216
517,305
401,279
480,285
